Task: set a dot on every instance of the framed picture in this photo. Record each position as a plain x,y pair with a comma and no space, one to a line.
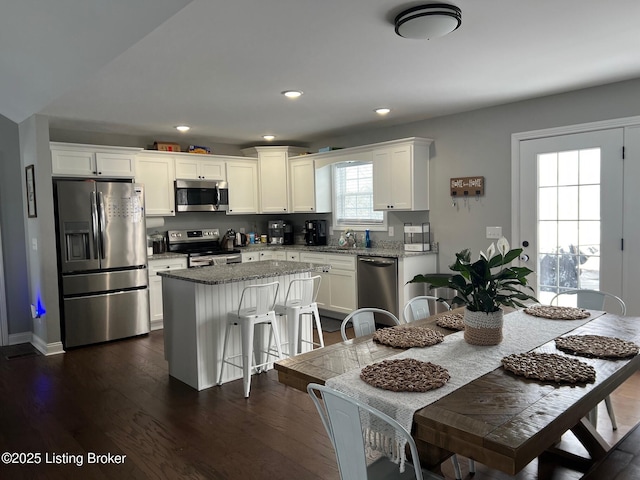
31,192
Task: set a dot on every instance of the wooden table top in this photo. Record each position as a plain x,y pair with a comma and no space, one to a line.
500,420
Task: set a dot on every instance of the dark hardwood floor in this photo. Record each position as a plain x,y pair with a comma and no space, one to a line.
118,399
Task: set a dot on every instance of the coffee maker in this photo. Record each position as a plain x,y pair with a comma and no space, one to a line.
276,231
315,232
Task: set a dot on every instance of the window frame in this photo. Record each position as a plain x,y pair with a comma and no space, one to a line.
382,226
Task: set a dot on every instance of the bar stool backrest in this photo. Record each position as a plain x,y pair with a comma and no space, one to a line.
303,291
418,308
258,299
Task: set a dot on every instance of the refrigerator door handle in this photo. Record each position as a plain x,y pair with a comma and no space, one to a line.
94,224
102,223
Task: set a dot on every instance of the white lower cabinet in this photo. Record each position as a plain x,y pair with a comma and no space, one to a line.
292,256
250,257
155,286
338,289
272,255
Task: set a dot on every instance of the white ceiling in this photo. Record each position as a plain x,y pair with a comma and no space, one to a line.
220,66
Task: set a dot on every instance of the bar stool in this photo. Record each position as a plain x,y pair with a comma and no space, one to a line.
256,308
301,300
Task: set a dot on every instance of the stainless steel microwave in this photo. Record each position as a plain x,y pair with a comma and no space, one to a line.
201,196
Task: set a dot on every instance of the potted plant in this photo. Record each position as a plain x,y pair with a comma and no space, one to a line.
484,286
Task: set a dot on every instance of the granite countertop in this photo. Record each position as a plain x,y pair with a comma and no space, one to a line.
166,256
238,272
372,252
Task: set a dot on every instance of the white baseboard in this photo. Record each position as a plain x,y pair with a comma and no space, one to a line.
157,325
46,348
18,338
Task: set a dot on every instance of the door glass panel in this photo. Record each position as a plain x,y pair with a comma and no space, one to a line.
567,203
568,221
568,168
590,202
548,170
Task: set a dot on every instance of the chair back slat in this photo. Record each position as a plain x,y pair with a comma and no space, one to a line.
363,321
259,298
591,300
303,291
341,416
418,308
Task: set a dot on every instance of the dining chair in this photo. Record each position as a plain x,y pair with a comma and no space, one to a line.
363,321
256,307
593,300
301,300
340,415
417,308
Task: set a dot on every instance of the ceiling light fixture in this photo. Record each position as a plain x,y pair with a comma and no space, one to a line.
382,111
292,93
269,137
183,128
428,21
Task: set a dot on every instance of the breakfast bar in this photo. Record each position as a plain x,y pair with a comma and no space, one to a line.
196,302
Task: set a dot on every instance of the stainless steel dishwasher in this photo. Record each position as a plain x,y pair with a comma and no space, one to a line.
378,284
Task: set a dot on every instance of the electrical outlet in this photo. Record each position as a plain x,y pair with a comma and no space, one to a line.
34,244
494,232
391,232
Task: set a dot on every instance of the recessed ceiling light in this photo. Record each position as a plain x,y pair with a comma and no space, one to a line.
382,111
269,137
292,93
183,128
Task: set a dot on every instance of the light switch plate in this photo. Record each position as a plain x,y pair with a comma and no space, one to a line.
494,232
391,232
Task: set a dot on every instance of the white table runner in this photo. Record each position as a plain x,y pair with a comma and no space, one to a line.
465,363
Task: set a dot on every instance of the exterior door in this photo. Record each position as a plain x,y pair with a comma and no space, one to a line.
571,211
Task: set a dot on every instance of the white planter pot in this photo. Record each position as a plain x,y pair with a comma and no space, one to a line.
482,328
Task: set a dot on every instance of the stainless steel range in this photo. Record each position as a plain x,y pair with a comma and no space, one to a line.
202,247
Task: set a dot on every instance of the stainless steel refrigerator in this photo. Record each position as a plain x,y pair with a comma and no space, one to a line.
102,260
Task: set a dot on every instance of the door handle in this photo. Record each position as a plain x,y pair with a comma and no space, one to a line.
94,224
102,222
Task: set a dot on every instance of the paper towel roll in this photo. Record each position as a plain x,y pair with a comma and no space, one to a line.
155,222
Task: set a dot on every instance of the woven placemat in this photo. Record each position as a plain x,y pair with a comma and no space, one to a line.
452,321
407,336
549,367
597,346
557,313
405,375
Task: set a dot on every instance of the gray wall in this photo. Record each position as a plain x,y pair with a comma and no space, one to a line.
40,231
479,143
12,217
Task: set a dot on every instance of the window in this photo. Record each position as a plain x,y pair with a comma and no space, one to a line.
353,197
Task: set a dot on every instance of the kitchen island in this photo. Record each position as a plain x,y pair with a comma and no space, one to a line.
196,302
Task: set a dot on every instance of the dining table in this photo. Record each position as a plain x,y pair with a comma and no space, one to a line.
496,418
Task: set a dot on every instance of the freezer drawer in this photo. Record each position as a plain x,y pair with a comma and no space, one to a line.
99,318
99,282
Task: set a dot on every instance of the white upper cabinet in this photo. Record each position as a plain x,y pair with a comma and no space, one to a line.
191,166
401,175
273,176
78,160
242,177
157,174
309,188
